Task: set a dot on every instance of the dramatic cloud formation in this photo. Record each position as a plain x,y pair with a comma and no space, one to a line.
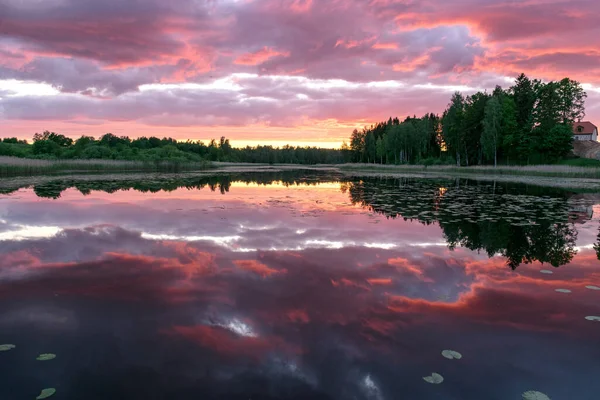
272,70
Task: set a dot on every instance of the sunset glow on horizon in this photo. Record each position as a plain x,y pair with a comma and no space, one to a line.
273,72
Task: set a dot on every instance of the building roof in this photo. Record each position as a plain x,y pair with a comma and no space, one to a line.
588,128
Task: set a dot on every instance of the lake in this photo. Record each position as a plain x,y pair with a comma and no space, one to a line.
298,285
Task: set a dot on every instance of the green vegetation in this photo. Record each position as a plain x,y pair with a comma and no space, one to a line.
10,166
46,393
566,169
53,152
580,162
530,123
54,146
46,357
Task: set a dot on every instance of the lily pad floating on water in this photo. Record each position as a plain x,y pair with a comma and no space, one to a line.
46,357
563,290
533,395
546,271
46,393
593,318
435,378
592,287
451,354
6,347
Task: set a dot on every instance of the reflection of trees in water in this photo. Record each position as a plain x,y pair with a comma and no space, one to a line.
523,224
547,242
221,183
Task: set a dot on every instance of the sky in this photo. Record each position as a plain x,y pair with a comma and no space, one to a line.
302,72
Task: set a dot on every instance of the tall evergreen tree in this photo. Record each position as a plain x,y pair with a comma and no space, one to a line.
380,148
525,97
572,103
492,128
370,147
474,116
547,111
453,126
357,145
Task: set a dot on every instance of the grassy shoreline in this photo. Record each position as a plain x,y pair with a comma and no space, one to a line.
561,171
565,177
15,166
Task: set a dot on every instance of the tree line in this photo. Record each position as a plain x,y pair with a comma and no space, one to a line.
109,146
530,122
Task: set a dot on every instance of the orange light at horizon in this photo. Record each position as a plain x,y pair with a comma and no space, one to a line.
281,143
319,134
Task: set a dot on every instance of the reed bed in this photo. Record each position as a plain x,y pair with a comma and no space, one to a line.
562,171
13,166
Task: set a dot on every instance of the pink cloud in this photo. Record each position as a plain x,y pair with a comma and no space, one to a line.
260,56
257,268
301,6
109,50
385,46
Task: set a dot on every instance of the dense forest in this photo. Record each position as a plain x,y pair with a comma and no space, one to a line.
529,123
57,146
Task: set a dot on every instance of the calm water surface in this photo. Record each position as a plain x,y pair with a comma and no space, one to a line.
298,287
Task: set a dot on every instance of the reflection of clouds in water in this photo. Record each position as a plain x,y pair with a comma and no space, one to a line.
23,232
40,317
346,321
220,240
278,364
78,244
432,276
238,327
221,219
371,388
338,335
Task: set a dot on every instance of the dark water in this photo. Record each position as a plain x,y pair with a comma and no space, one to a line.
290,286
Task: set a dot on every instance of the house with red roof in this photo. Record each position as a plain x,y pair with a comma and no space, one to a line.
585,130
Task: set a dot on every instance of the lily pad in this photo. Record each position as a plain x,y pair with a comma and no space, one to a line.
435,378
6,347
592,287
451,354
546,271
46,393
46,357
563,290
592,318
533,395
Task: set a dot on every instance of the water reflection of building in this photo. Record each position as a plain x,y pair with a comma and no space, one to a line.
580,213
581,207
